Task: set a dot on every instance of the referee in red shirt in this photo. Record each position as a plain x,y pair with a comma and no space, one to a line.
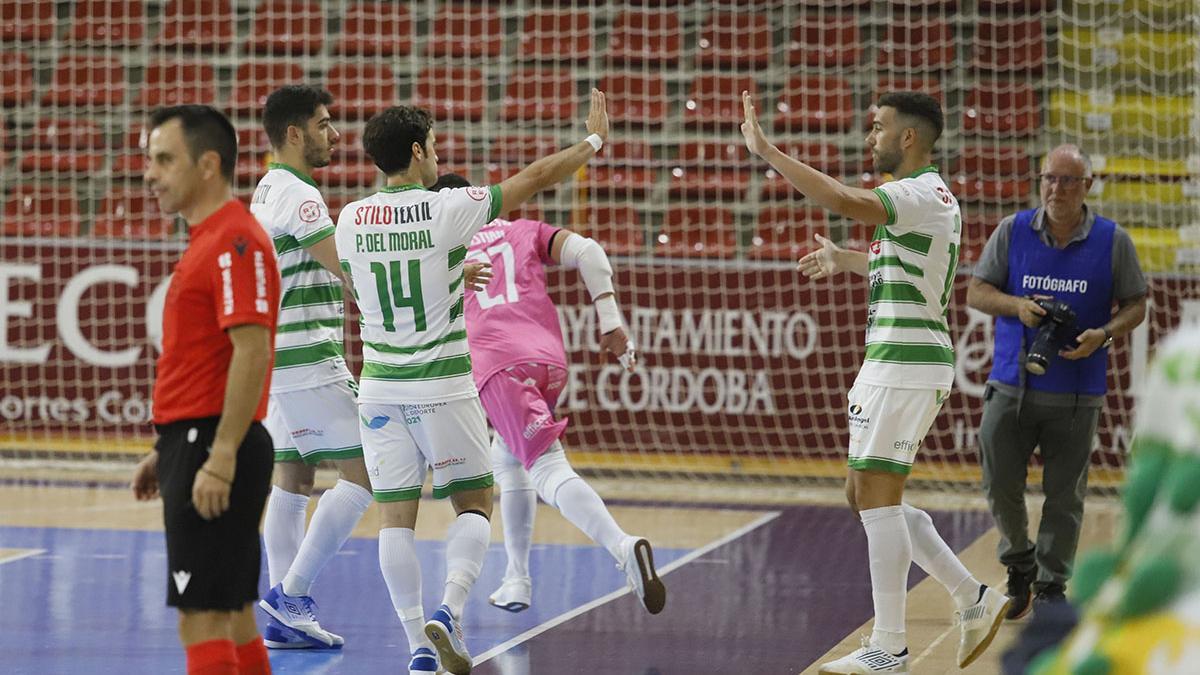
212,462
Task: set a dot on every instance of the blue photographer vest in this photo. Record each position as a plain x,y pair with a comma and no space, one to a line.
1079,275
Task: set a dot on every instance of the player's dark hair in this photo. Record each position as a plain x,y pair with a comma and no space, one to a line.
390,134
291,106
447,181
204,129
922,109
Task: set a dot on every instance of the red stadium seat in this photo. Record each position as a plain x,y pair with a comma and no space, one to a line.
108,23
129,165
635,100
991,174
16,78
176,82
288,27
556,36
1002,108
382,29
823,157
827,41
523,149
26,21
361,89
617,228
741,39
450,147
64,145
249,169
542,95
344,172
624,169
716,100
198,25
786,232
35,211
711,170
1010,46
464,30
254,82
697,232
917,45
131,213
253,139
835,5
1014,7
86,81
640,38
977,226
452,93
815,103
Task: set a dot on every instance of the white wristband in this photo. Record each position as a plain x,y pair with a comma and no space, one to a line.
595,141
608,314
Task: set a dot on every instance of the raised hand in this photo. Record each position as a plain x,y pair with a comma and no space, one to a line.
756,141
823,262
477,275
617,343
597,120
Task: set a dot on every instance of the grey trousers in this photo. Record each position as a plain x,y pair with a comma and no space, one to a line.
1007,438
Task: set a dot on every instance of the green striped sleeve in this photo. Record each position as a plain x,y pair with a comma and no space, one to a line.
896,291
456,310
887,205
497,198
306,266
313,237
456,256
895,261
285,243
384,348
913,241
298,326
438,369
901,352
289,357
302,296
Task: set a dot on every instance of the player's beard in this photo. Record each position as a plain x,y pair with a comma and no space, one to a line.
888,160
316,153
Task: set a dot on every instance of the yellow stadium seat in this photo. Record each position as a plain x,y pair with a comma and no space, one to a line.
1129,53
1136,192
1140,166
1156,247
1104,114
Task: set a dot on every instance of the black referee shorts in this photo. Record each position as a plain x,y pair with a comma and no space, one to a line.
212,564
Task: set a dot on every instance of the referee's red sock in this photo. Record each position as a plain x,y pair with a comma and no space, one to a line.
213,657
252,658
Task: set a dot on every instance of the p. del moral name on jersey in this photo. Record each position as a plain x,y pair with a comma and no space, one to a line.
391,214
384,242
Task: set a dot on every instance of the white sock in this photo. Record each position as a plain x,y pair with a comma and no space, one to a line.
517,509
890,552
580,505
933,555
466,544
283,530
338,511
402,572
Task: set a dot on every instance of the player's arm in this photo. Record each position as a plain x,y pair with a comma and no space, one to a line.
831,259
856,203
556,168
584,254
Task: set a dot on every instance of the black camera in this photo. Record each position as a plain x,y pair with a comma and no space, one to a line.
1055,331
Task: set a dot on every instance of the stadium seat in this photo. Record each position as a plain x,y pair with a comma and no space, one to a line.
249,169
176,82
288,27
1138,167
131,213
451,147
823,157
696,232
992,174
541,95
617,228
254,82
361,89
25,21
815,103
926,44
835,5
556,36
624,169
101,23
924,6
786,232
452,93
16,78
198,25
1140,193
635,100
464,30
740,39
826,41
716,100
1014,7
1154,53
977,226
129,164
64,145
37,211
1128,115
645,38
86,81
523,149
349,172
1010,46
1002,108
711,170
382,29
253,139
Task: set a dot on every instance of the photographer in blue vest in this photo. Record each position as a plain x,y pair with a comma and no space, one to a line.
1051,276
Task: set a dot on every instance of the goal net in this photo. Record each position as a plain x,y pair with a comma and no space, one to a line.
745,364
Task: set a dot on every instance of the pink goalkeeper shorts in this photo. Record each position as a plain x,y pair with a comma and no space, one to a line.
519,402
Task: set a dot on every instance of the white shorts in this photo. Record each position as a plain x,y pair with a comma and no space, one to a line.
888,425
400,440
315,424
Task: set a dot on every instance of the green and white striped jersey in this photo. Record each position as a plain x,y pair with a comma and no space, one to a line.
309,350
403,249
912,261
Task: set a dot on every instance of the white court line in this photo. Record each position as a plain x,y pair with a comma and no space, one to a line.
663,571
21,556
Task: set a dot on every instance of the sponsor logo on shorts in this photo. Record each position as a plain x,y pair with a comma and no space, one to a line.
181,580
453,461
301,433
377,422
414,411
535,426
857,420
907,447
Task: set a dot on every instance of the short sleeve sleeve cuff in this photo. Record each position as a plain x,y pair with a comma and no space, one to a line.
888,205
497,201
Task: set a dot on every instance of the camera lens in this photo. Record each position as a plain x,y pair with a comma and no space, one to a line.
1036,364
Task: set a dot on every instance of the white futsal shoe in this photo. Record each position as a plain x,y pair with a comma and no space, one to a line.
513,595
979,624
637,562
868,660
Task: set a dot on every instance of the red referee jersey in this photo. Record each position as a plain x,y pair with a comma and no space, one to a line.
226,277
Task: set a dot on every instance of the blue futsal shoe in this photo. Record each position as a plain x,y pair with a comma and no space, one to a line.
278,636
447,636
424,662
299,613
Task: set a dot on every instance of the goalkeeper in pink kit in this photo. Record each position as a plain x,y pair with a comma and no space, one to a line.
520,365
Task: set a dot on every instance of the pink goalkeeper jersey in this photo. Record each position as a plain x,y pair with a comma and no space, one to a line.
513,320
